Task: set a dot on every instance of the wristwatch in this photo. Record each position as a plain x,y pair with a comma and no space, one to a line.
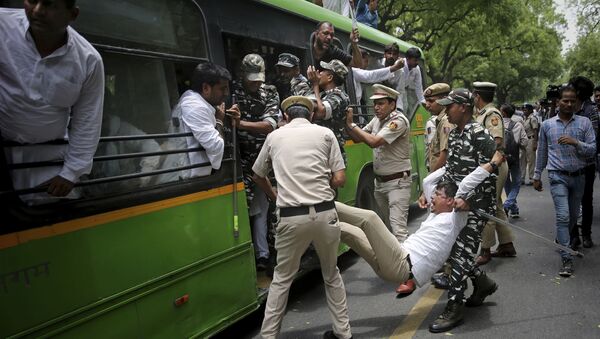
352,125
494,166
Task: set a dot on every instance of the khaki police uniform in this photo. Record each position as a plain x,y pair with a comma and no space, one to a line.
532,127
391,164
491,118
303,156
439,142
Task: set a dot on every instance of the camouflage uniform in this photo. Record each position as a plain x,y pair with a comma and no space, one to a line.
338,100
256,107
300,86
466,151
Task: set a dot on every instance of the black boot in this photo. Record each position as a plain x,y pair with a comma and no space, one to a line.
449,319
482,287
441,281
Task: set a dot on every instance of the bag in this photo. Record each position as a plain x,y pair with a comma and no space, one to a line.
511,147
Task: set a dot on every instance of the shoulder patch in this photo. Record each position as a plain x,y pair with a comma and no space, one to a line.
447,130
494,120
393,125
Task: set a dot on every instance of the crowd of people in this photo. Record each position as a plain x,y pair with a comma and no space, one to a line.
296,128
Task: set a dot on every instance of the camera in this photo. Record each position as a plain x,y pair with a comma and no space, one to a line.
552,92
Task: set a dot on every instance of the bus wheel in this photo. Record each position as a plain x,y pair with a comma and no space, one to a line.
364,192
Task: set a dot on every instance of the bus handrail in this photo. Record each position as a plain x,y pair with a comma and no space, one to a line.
115,178
8,143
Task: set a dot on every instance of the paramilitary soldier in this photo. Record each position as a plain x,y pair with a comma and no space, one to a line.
289,80
308,166
331,104
388,134
469,146
438,148
491,118
532,128
258,115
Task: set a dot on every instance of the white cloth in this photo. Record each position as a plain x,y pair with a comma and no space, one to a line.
40,97
339,6
430,246
363,76
193,114
408,80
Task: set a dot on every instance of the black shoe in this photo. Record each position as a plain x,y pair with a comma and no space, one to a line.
330,335
441,281
575,243
482,287
262,264
514,214
567,268
449,319
587,242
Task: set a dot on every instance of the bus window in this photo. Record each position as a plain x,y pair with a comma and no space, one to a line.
172,27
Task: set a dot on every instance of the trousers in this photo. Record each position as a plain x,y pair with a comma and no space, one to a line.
587,207
293,236
392,199
491,228
259,210
368,236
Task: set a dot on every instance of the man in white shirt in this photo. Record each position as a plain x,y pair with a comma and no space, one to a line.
201,111
364,76
424,252
51,89
407,79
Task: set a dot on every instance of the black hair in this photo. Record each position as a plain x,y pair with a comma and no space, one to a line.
566,88
487,96
393,47
321,23
70,3
297,111
584,87
597,88
208,73
449,188
413,52
509,109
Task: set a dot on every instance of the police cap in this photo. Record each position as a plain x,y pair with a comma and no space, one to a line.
380,91
484,86
297,100
437,89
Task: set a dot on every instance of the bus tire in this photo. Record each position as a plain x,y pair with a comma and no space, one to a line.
364,192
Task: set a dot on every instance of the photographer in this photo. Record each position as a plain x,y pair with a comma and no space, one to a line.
552,95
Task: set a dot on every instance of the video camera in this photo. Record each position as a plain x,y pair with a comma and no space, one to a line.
552,92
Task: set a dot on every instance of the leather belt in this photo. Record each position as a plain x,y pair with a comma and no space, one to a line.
572,174
399,175
302,210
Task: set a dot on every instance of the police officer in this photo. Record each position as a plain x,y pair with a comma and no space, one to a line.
491,118
388,134
438,147
308,166
532,128
331,100
469,146
257,116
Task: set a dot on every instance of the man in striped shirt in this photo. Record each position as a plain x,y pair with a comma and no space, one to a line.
565,142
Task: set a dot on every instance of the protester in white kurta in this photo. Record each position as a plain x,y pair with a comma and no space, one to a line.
42,99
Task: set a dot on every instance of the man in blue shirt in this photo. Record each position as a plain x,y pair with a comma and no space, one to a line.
565,143
366,12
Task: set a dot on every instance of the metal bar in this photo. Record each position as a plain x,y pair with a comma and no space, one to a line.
547,241
144,136
114,178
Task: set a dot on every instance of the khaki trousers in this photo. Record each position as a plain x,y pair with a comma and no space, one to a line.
491,228
293,236
530,158
523,162
392,198
368,236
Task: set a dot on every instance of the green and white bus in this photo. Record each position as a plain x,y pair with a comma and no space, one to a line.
135,256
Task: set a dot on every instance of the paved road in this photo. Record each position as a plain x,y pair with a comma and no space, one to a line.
532,301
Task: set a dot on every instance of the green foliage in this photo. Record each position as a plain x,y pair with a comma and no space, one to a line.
584,57
513,43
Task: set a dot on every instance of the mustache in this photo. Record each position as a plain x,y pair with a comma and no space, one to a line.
389,61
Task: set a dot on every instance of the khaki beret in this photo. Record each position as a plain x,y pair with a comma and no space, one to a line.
297,100
381,91
484,86
437,89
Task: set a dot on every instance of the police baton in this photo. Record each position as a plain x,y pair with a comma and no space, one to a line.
236,227
547,241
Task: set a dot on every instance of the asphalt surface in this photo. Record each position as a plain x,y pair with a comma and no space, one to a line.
532,300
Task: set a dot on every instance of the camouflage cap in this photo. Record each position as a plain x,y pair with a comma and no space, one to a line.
253,67
336,67
484,86
458,96
437,89
380,91
288,60
297,100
